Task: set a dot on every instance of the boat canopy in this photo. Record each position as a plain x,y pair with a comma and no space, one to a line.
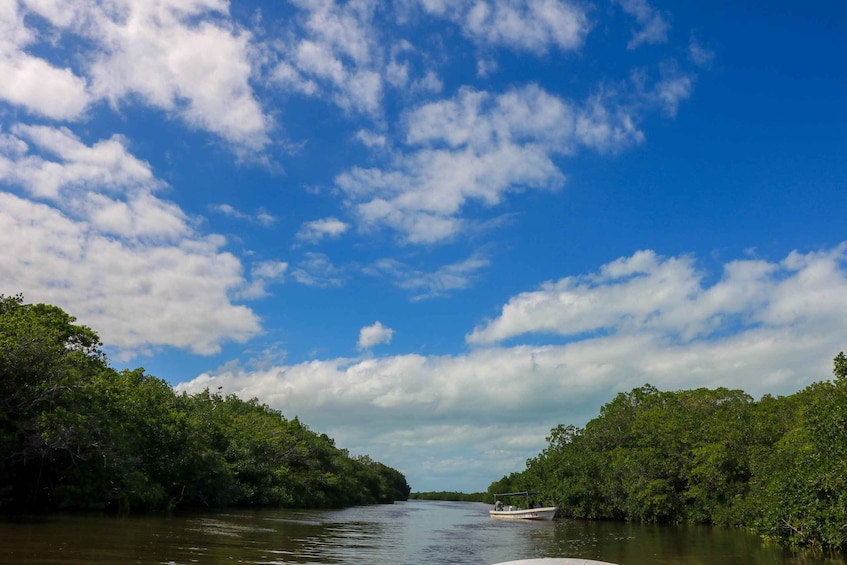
521,493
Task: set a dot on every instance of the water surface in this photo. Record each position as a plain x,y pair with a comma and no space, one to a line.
404,533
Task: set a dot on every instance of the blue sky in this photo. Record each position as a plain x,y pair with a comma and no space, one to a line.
433,229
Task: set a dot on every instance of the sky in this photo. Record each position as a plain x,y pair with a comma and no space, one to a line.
433,229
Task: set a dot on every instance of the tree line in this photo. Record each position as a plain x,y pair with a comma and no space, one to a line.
449,496
76,434
710,456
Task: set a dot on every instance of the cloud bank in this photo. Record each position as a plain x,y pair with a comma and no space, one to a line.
761,326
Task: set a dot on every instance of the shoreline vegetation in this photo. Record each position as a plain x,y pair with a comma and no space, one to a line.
450,496
76,434
777,466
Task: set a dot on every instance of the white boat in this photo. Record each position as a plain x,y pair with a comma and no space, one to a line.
542,513
529,511
554,561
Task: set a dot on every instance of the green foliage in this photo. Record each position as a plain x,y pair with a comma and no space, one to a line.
801,491
46,365
778,465
451,496
76,434
840,366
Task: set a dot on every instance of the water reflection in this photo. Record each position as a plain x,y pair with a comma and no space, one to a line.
405,533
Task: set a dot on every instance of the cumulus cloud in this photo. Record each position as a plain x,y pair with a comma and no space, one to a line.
103,183
526,25
260,216
107,164
374,335
262,275
371,139
699,55
41,88
670,91
646,293
763,327
316,230
96,239
33,83
316,269
654,27
423,285
353,53
666,93
335,50
475,147
478,147
138,297
186,58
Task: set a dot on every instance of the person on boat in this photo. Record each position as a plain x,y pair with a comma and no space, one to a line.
498,506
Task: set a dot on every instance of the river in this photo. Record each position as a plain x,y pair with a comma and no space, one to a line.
403,533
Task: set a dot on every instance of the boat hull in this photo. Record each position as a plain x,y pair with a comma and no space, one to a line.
555,561
545,513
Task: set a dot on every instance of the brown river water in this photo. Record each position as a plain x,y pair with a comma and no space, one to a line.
404,533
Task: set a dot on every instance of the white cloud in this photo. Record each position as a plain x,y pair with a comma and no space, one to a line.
654,27
270,269
486,67
41,88
667,92
400,69
442,281
658,322
317,270
260,216
102,245
287,76
106,165
371,139
672,88
374,335
342,27
318,60
140,216
397,74
263,274
478,146
102,184
136,297
525,25
336,51
699,55
428,83
13,32
606,128
33,83
646,293
315,231
670,91
340,51
184,57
